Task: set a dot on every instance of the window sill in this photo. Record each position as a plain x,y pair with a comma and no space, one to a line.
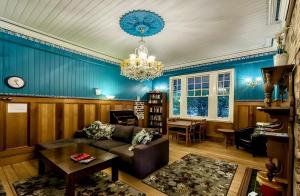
199,118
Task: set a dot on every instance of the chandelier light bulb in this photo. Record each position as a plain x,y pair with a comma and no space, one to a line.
140,66
151,59
132,57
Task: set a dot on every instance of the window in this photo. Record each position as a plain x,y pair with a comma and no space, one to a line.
197,99
223,95
206,95
176,96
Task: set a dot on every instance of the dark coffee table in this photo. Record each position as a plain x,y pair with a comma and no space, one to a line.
59,159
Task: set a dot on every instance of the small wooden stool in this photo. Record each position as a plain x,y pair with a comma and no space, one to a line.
228,135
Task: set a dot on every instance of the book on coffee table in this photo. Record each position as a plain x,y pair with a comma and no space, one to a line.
88,160
82,158
79,156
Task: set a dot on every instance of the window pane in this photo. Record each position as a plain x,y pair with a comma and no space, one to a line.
221,91
227,76
174,82
176,96
220,85
226,83
198,80
198,93
223,106
176,105
226,91
197,106
205,85
190,80
220,77
191,87
205,92
191,93
197,86
204,78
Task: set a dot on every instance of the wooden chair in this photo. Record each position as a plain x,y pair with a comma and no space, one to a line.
202,130
198,130
190,134
173,130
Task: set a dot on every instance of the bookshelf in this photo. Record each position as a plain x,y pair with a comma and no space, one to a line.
157,110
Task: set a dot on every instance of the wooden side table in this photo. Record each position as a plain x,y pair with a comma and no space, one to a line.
228,134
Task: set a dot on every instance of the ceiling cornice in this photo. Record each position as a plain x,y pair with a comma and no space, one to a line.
23,31
223,59
44,38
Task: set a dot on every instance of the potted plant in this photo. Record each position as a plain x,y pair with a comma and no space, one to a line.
281,57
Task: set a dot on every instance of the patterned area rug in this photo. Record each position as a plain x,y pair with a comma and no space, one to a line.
193,175
51,185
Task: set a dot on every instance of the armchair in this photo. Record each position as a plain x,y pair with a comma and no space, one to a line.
256,144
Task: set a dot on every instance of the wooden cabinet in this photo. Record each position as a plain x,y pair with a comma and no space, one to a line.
157,114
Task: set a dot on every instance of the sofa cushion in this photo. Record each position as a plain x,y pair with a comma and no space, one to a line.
153,131
123,133
123,152
107,144
98,130
136,130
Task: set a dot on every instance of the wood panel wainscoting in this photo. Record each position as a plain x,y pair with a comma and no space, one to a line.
48,119
245,115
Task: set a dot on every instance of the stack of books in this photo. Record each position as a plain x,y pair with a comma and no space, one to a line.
82,158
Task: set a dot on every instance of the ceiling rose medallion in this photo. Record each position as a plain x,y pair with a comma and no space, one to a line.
140,65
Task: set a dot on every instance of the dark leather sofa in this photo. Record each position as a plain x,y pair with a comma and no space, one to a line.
140,162
256,144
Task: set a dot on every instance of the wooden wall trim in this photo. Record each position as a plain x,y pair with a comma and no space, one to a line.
48,119
60,100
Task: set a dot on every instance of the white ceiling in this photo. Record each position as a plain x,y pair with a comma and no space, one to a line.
194,29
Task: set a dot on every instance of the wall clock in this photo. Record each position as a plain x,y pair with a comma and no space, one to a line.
15,82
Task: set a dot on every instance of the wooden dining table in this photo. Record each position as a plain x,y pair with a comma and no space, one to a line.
185,124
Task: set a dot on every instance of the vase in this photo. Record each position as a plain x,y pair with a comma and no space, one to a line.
268,88
280,59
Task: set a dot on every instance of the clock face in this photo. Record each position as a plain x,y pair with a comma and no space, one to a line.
15,82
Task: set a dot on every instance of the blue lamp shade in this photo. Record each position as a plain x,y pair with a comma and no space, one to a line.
141,23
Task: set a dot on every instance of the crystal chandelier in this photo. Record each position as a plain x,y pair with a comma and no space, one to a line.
140,65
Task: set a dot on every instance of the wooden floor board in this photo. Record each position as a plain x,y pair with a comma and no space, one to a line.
11,173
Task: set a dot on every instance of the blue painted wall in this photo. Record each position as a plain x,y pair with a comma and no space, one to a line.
243,68
49,71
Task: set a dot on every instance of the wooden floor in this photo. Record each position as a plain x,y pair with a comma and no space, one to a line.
11,173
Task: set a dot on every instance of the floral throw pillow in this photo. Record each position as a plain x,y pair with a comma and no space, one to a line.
98,130
143,137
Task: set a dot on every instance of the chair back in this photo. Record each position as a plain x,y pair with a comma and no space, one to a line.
203,124
194,125
173,119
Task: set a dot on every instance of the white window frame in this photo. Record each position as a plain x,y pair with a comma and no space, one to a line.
187,90
212,97
171,98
